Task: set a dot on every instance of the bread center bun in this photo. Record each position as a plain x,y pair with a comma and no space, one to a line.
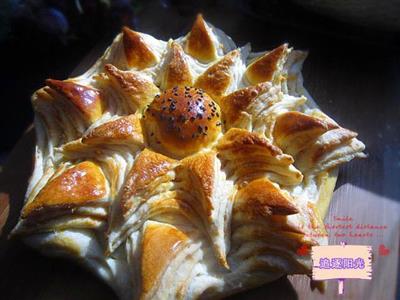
181,121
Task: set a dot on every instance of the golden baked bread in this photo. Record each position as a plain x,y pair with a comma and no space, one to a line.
183,169
182,121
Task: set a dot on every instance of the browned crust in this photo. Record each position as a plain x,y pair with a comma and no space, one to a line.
261,198
235,103
79,185
148,166
239,140
122,130
177,72
160,244
200,169
265,67
138,53
86,99
295,129
217,78
137,89
199,43
248,155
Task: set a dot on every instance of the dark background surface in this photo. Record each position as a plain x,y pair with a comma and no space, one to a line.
353,72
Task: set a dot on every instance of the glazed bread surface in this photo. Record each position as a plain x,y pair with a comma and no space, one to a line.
183,169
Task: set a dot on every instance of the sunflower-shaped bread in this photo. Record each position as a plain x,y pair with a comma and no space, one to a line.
183,169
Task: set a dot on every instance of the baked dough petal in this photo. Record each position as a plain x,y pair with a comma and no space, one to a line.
123,130
168,257
76,196
235,105
138,53
176,70
149,180
127,91
264,239
268,67
150,170
199,42
66,109
261,198
210,193
220,76
255,108
317,144
247,155
113,144
85,99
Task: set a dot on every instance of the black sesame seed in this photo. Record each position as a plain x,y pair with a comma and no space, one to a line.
217,115
199,129
209,118
151,134
218,124
206,128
